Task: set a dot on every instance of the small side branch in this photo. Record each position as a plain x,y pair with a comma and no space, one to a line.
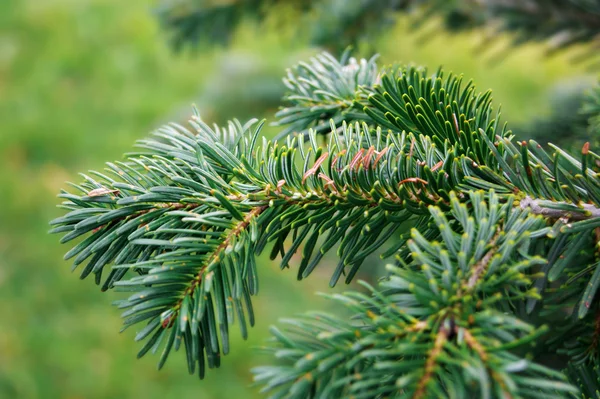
430,364
216,254
476,346
482,265
586,211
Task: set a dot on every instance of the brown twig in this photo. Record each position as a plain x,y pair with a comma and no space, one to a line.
430,363
588,211
474,344
214,257
482,265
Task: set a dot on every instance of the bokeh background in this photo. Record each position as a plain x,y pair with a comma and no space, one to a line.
81,80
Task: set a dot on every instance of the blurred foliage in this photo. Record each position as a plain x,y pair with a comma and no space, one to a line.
334,23
591,110
566,124
337,23
79,82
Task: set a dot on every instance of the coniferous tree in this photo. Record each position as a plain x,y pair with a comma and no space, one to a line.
492,243
336,23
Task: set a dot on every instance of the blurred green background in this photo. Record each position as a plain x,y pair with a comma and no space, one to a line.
80,81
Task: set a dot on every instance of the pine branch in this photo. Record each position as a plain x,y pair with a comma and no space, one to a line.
179,224
325,90
430,330
184,228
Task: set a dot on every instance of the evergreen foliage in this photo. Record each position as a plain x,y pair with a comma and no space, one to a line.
337,23
323,22
591,109
492,242
567,124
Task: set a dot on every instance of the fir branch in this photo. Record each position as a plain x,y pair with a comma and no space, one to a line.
408,337
430,176
215,257
324,90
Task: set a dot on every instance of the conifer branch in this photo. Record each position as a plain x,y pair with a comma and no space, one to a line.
422,306
420,169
